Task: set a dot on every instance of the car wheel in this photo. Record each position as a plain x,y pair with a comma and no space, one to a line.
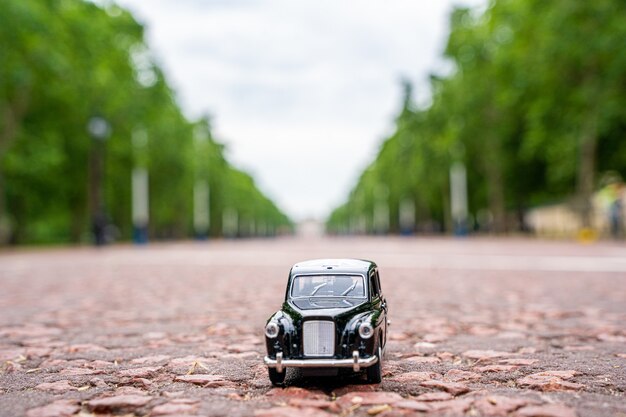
374,372
277,378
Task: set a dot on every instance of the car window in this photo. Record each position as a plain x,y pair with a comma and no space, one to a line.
373,289
328,286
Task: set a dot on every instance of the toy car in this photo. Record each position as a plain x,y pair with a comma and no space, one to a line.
334,317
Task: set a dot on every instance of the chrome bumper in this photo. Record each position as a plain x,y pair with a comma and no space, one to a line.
356,363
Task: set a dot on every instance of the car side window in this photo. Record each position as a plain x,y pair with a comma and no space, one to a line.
380,290
374,289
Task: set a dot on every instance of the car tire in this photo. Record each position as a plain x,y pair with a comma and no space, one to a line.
277,378
374,372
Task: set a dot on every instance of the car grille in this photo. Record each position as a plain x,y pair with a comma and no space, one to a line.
319,338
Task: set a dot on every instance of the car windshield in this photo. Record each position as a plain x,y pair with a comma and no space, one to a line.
328,286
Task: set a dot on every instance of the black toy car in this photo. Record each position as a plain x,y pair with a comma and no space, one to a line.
334,316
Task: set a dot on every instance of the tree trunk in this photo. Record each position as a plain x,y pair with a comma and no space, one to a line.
492,167
495,186
5,227
493,163
447,212
586,172
12,116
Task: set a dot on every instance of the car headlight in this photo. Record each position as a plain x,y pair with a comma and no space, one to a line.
271,330
366,330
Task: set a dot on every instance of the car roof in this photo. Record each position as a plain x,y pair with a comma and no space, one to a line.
331,266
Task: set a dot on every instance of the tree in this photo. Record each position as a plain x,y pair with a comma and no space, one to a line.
534,108
63,62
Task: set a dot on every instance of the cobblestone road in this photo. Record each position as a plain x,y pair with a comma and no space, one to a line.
480,327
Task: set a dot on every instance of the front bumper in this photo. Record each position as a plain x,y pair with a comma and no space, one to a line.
356,363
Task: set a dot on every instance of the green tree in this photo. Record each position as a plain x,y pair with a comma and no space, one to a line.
62,62
534,108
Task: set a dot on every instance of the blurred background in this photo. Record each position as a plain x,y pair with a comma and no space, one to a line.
137,121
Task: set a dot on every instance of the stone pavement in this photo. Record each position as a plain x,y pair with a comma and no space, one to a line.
480,327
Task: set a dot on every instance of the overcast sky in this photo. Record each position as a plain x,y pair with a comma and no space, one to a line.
302,92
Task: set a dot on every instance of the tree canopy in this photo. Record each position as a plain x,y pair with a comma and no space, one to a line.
535,108
64,62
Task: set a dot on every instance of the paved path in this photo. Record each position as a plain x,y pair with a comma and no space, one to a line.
481,327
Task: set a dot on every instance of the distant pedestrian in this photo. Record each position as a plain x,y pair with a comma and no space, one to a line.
616,213
99,230
612,200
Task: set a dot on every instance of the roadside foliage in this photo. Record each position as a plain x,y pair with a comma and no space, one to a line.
535,109
64,62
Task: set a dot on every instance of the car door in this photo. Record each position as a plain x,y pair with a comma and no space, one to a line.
378,303
383,307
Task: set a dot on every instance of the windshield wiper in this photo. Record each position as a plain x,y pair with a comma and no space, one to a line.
318,287
346,292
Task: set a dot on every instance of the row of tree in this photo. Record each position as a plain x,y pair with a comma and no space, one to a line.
535,109
67,63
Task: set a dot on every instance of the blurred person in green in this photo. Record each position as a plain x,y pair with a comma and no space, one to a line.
612,196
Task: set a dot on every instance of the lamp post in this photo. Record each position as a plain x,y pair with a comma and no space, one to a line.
407,216
381,210
99,130
458,198
140,187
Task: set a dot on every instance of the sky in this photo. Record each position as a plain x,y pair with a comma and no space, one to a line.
303,93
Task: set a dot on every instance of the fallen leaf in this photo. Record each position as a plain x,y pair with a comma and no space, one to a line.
368,398
377,409
208,381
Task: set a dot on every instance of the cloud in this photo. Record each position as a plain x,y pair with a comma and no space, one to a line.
302,92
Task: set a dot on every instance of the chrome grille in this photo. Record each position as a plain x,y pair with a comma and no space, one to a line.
319,338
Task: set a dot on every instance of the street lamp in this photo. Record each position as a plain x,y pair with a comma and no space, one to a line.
99,130
458,198
140,187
